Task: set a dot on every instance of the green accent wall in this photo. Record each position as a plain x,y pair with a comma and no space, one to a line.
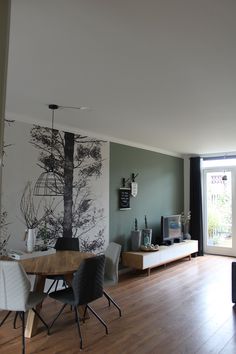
160,190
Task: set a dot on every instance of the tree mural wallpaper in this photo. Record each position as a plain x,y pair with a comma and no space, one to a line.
81,162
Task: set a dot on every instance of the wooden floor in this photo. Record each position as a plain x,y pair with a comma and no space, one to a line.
183,308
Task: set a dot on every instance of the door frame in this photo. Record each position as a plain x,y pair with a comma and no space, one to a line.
215,249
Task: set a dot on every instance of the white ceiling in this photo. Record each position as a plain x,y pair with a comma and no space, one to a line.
159,73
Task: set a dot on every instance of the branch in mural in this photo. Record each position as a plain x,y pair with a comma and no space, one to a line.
71,152
89,225
85,215
41,140
10,122
30,209
93,245
51,228
4,234
85,153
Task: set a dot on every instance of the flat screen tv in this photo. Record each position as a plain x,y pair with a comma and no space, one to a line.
171,228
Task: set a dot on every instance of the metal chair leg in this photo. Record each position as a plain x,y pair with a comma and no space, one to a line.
78,325
109,298
4,319
85,311
54,281
15,318
50,326
98,317
56,285
41,319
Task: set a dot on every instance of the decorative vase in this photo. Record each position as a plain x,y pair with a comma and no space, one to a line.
186,234
136,237
31,240
147,237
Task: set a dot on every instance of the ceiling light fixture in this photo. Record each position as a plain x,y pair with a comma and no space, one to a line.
82,108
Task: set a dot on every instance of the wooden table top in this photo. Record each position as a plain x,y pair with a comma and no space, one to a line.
61,262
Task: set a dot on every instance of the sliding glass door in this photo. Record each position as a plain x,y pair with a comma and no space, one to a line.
219,210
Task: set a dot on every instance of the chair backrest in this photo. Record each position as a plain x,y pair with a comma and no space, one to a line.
14,286
67,244
112,255
87,282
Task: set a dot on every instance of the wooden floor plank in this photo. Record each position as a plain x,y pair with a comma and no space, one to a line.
184,308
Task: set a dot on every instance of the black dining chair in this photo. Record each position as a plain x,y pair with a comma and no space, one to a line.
63,244
87,286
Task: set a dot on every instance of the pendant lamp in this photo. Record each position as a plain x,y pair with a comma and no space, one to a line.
49,182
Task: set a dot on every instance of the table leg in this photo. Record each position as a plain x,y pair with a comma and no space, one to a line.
32,319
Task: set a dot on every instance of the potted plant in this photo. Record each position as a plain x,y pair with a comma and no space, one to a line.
136,236
185,221
146,234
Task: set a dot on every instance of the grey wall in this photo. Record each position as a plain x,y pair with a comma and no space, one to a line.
160,190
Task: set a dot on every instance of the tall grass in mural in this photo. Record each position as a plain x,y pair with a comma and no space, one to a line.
78,161
4,234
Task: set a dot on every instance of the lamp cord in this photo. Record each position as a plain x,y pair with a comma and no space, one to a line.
52,131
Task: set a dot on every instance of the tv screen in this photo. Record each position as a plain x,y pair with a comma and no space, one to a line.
171,227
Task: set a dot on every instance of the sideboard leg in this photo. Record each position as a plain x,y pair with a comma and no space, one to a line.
148,272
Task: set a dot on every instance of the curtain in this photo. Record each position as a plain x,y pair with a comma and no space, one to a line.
196,225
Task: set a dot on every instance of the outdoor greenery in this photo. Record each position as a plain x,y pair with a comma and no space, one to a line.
219,213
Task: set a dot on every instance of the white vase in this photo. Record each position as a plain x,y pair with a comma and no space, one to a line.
31,239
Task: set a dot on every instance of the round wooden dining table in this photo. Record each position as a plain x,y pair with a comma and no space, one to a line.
60,263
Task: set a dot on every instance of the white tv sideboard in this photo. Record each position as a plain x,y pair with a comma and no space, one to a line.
147,260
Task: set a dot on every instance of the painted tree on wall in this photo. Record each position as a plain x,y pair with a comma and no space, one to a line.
77,159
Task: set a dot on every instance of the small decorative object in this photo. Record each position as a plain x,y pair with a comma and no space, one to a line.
31,240
185,220
136,236
124,198
147,234
150,248
134,186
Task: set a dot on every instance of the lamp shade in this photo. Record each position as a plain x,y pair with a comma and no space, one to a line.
49,184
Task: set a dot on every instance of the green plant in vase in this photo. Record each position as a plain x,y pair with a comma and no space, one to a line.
43,236
185,222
